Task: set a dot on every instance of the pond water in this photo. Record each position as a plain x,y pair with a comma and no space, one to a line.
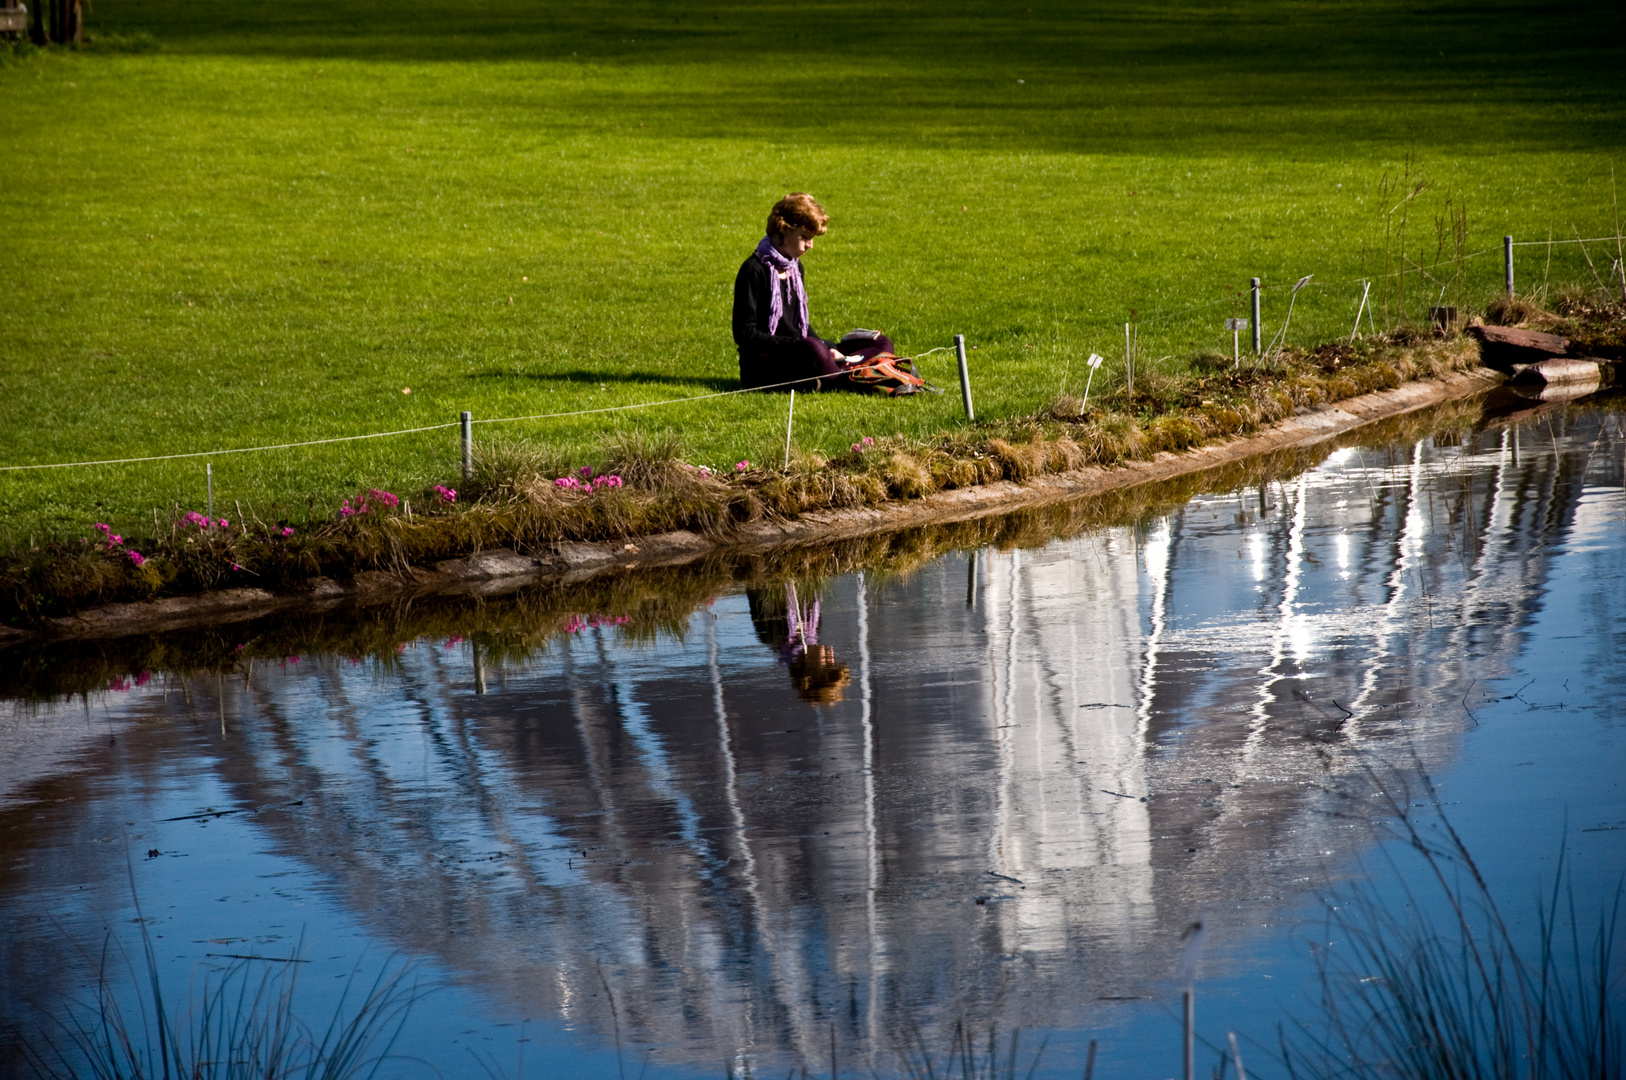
750,818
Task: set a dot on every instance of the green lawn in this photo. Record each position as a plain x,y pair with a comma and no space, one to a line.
267,229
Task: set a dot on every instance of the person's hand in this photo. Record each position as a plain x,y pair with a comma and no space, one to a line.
838,357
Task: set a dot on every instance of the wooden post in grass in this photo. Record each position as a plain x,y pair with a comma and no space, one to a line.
1507,261
1254,282
468,444
965,378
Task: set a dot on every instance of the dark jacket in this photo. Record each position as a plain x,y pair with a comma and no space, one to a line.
752,302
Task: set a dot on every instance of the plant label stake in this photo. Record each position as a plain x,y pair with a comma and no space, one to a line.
1365,290
965,378
1236,326
1094,362
467,419
1129,363
1254,282
790,420
209,485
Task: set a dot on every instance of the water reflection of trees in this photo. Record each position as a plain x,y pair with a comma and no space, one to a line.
1042,759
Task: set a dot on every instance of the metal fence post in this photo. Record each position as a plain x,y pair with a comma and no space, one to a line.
965,378
468,444
1256,344
1507,261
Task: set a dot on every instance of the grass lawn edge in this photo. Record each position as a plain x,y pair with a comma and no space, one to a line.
499,569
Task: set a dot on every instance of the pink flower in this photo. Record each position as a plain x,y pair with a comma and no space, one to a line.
585,471
704,471
587,489
234,566
195,518
857,448
287,530
742,466
224,524
868,441
446,494
116,540
566,482
609,481
385,497
136,557
347,510
144,678
103,528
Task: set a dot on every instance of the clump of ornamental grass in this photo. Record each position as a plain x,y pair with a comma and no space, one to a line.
1407,995
239,1021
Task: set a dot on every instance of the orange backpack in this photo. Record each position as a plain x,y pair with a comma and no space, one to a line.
885,373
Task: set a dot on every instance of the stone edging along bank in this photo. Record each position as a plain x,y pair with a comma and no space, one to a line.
502,570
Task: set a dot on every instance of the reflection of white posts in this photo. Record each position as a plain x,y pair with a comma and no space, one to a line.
867,725
1094,362
1287,618
1157,567
1188,993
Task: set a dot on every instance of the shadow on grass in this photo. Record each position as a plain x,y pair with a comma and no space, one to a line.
634,378
1050,74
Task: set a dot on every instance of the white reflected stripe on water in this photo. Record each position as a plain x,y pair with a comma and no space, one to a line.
1156,553
876,958
1287,630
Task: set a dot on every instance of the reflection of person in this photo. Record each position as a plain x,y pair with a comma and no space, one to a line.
792,631
771,327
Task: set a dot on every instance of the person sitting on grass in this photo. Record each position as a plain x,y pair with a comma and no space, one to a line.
777,344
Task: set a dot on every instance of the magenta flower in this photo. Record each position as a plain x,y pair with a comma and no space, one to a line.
287,530
195,518
868,441
566,482
585,471
234,566
609,481
385,497
144,678
136,557
224,524
104,528
446,494
742,466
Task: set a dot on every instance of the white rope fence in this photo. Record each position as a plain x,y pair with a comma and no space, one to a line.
1257,287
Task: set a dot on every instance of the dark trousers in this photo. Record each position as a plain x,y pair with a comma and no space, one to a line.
806,359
